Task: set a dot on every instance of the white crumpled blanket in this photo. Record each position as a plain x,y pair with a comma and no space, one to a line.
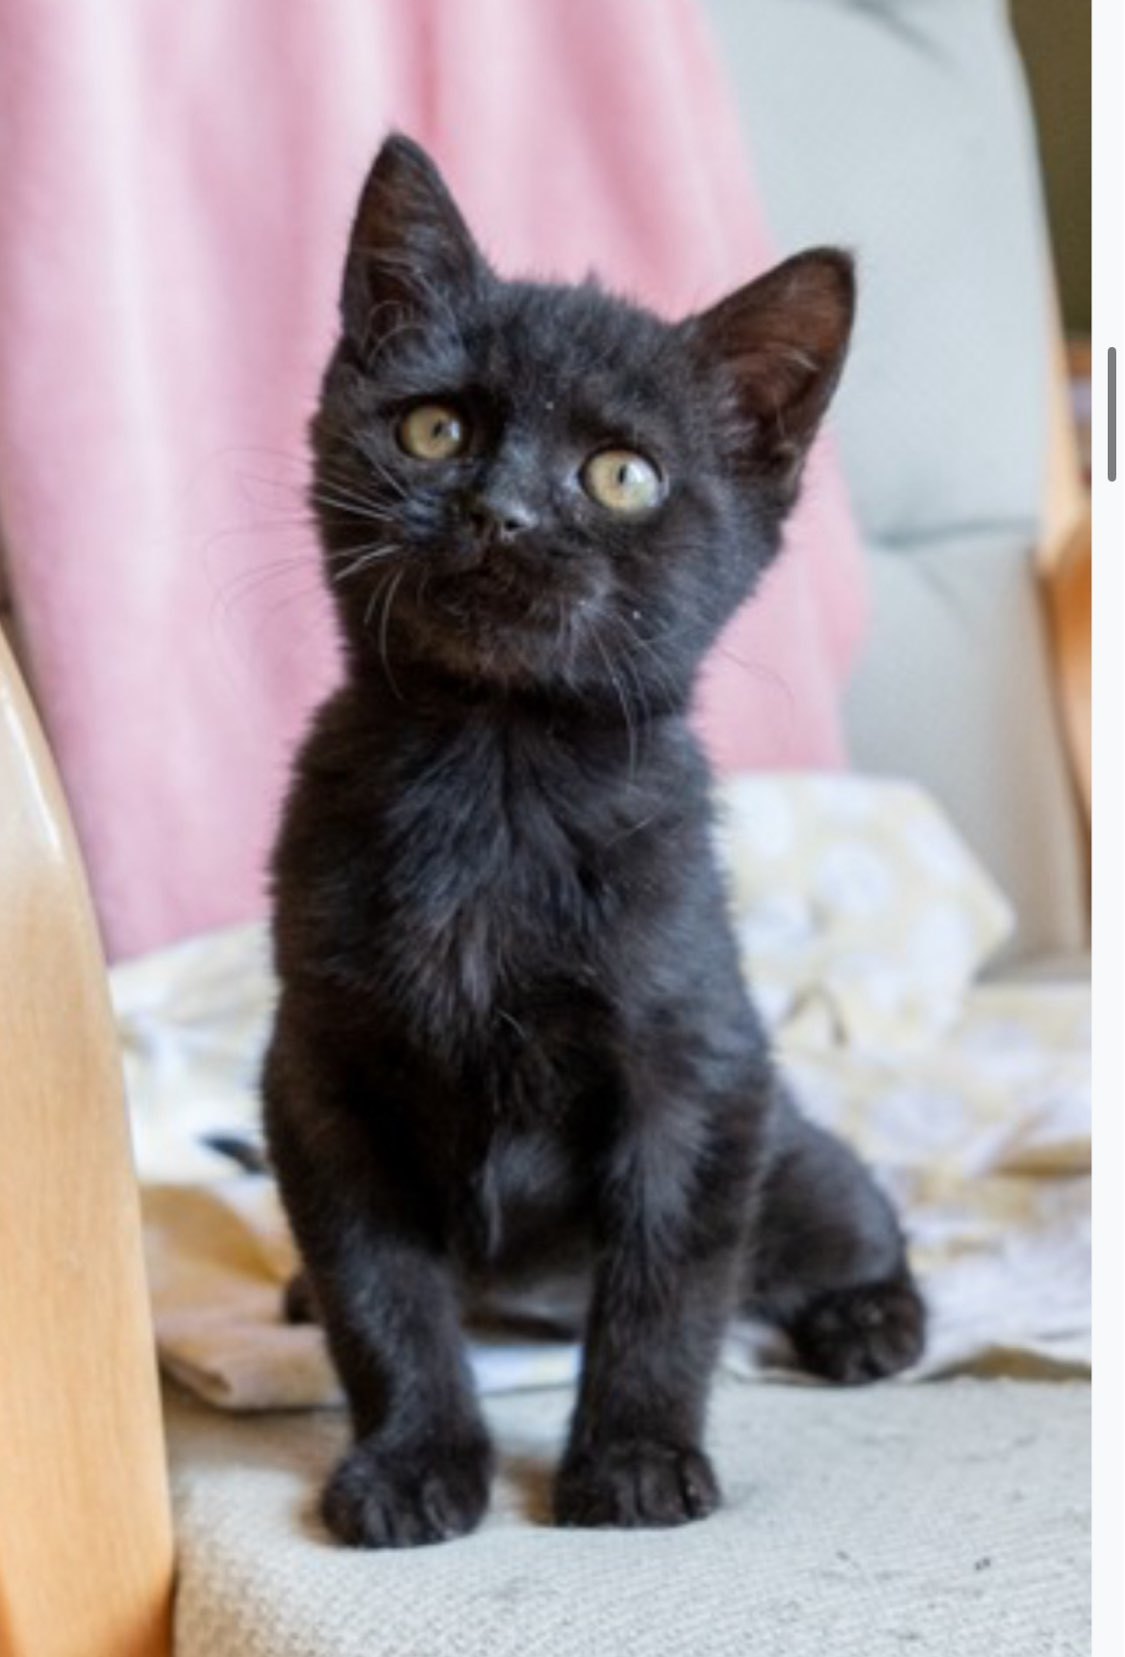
863,922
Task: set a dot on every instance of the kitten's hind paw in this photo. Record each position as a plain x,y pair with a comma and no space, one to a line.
638,1483
863,1333
377,1499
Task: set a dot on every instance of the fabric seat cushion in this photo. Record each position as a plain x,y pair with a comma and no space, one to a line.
948,1518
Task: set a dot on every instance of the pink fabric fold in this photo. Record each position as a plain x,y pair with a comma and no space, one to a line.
175,193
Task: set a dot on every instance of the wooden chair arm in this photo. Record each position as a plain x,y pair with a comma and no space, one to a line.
1067,576
1065,569
85,1528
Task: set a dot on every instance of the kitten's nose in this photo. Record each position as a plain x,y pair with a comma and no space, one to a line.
499,517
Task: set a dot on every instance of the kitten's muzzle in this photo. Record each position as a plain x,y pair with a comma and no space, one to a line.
500,519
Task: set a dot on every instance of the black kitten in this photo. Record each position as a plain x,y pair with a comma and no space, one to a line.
513,1035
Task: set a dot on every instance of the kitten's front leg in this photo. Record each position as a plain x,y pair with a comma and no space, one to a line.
673,1226
420,1468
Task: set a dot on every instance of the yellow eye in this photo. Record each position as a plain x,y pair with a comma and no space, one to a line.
622,481
433,431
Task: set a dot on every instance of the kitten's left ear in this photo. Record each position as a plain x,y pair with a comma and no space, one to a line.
410,248
781,342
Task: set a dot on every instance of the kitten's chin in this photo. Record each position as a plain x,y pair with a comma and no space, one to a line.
524,653
488,629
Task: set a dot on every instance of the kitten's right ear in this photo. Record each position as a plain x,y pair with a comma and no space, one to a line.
410,248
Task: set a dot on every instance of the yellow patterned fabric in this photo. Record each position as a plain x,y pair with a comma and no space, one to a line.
862,917
863,922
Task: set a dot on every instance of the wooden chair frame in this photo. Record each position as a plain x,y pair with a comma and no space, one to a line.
85,1522
86,1552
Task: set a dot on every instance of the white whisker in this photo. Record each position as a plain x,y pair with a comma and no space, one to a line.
384,625
367,558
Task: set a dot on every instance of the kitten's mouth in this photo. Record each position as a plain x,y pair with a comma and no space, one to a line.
496,624
510,589
494,621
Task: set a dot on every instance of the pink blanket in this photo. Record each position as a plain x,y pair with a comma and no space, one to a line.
175,192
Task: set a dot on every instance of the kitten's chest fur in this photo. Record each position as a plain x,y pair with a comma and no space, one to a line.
469,882
481,923
458,896
498,894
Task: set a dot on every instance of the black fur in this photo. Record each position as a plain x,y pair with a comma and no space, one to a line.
513,1039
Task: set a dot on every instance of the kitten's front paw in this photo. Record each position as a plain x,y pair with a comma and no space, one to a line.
397,1499
635,1483
861,1334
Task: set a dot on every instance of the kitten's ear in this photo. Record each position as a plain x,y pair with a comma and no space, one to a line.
410,248
781,343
